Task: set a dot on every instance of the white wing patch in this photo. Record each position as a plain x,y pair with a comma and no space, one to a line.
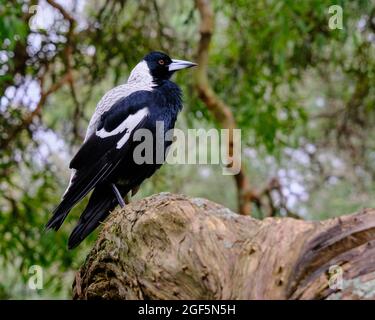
139,79
128,125
136,119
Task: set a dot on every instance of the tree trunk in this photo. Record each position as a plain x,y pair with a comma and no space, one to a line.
218,108
174,247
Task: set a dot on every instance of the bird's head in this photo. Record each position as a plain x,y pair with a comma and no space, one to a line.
162,67
158,66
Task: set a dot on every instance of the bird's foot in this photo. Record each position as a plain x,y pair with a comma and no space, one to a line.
119,198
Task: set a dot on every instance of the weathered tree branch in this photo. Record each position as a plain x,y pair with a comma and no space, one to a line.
221,112
173,247
246,194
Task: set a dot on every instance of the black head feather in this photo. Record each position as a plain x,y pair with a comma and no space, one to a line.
158,63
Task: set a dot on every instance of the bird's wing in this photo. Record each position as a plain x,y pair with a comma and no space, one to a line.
103,150
105,103
111,98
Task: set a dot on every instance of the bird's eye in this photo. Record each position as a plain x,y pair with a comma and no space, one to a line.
161,62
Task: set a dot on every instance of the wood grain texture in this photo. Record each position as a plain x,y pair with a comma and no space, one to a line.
173,247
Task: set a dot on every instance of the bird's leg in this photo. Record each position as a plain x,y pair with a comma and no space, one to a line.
118,196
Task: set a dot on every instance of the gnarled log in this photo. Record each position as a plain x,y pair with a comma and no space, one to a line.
174,247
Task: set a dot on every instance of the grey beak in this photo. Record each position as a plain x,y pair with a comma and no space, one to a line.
180,64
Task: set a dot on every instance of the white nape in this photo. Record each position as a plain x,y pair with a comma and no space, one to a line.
141,76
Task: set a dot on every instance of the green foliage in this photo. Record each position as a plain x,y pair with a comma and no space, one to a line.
12,26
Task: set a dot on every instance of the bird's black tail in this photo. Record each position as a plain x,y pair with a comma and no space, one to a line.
101,202
59,214
81,185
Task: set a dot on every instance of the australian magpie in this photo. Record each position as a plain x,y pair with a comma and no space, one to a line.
104,163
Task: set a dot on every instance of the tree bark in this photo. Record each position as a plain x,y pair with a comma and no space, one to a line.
174,247
221,112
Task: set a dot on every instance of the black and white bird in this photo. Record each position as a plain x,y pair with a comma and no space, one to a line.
105,162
